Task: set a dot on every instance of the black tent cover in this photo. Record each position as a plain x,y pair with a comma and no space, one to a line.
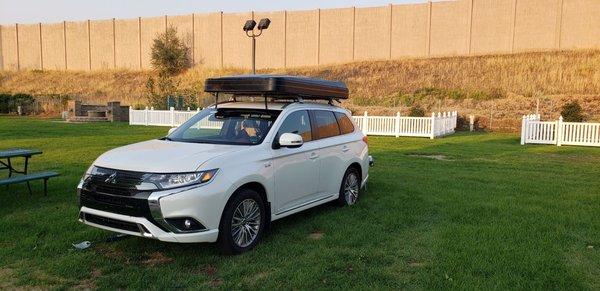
278,86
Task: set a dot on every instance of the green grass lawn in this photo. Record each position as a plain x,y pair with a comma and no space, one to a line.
468,211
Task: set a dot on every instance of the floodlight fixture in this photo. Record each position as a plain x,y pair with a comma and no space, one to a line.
264,23
249,25
249,29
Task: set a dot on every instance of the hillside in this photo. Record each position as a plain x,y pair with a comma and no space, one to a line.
503,86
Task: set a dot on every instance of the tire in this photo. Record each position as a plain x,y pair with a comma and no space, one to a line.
243,208
351,180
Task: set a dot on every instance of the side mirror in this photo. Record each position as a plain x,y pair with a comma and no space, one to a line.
171,130
290,140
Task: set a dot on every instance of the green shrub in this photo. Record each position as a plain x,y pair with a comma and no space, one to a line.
170,55
572,112
10,102
416,111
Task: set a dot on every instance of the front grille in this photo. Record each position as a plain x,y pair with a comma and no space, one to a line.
114,182
107,189
116,204
113,223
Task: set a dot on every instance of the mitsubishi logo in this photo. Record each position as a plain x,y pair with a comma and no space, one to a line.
112,179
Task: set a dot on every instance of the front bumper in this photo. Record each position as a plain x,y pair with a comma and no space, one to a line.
146,214
146,228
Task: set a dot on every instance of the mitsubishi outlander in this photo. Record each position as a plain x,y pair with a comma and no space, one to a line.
277,146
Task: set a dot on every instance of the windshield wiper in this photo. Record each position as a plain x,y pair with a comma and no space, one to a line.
165,138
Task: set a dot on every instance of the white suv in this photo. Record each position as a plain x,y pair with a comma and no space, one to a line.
228,172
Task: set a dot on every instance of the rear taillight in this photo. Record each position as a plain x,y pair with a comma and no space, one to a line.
365,139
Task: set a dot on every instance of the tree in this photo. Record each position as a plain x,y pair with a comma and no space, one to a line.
170,55
572,112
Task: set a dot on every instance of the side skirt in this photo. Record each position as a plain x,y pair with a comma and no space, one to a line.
303,206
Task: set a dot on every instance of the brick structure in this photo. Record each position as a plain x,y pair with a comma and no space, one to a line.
112,111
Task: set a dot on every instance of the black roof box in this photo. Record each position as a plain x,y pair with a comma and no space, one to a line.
278,86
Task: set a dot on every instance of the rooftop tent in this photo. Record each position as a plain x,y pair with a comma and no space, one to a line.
276,86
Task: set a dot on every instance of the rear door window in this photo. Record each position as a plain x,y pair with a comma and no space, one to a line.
325,124
345,123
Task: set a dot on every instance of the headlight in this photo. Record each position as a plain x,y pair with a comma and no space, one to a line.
87,173
167,181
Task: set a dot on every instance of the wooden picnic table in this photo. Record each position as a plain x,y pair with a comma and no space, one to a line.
9,154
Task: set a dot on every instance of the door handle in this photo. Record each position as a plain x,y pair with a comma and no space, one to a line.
313,156
345,148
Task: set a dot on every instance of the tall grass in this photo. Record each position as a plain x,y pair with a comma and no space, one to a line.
461,82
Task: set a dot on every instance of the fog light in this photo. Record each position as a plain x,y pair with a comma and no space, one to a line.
185,224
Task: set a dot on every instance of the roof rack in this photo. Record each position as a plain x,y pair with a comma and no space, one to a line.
295,88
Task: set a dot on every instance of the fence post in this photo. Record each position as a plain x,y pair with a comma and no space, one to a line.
524,130
365,123
445,123
559,131
432,125
471,122
172,116
397,130
146,116
198,109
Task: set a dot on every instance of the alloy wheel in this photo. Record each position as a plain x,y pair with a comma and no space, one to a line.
245,223
351,188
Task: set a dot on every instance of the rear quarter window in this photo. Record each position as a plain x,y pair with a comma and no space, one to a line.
345,123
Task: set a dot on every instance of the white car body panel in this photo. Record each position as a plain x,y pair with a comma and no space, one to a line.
293,179
159,156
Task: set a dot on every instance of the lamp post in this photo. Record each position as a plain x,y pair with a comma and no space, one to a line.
249,29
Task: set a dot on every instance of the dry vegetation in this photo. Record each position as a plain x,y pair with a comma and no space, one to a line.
506,86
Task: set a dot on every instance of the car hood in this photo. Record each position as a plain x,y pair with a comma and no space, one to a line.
161,156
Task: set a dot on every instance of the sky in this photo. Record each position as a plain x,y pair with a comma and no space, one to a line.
32,11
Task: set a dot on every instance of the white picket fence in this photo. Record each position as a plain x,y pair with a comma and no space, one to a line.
149,116
535,131
437,125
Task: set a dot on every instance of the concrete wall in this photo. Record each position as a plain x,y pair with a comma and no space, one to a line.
311,38
449,28
30,53
302,38
237,47
207,40
492,26
77,46
372,33
270,46
580,25
337,36
102,44
53,46
409,30
10,58
536,25
127,44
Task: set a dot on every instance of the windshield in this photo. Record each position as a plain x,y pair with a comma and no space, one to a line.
226,126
